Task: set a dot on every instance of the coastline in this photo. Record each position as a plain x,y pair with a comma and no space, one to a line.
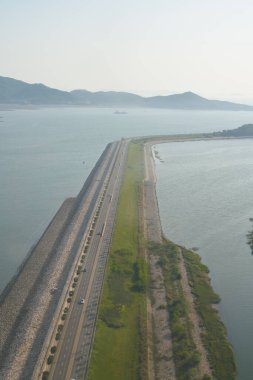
154,233
29,303
207,365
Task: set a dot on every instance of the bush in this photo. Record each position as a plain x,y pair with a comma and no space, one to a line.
50,359
69,300
193,360
45,375
161,307
57,336
53,349
206,377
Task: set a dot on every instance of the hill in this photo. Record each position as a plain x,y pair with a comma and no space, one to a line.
14,91
245,130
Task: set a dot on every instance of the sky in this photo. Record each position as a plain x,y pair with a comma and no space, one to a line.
148,47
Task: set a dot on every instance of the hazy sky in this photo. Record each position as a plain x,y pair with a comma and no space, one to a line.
143,46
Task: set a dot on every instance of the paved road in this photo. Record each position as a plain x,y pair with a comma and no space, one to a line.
72,358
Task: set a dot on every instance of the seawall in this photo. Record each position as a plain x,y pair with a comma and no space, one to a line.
19,291
28,304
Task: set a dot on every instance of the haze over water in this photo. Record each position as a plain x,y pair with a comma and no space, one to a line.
46,155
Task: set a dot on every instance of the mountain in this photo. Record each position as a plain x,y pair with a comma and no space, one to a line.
107,99
16,92
191,101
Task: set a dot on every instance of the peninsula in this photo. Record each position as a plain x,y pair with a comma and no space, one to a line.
104,294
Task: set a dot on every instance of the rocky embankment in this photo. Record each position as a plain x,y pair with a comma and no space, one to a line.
29,304
18,299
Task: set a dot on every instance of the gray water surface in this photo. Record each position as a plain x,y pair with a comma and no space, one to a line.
205,193
46,155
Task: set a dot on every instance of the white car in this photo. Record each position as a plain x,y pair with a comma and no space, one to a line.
81,301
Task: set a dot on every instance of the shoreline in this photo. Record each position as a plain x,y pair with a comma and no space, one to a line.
154,234
206,359
29,303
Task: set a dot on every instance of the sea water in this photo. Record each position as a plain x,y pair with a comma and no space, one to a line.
205,193
46,155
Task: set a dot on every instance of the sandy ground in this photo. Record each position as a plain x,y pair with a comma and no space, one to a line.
164,364
163,367
204,366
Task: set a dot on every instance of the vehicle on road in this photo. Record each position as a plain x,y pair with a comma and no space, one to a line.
81,301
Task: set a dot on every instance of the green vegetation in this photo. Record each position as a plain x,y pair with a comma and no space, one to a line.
45,375
120,342
214,336
186,356
181,137
53,349
120,346
50,359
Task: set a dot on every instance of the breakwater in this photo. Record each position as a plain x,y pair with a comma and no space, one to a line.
28,303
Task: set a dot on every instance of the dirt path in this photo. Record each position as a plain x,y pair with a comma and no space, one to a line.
204,366
161,364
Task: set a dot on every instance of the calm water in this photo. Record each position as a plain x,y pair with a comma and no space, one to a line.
205,190
46,154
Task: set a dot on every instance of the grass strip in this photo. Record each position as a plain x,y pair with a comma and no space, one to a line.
120,342
119,345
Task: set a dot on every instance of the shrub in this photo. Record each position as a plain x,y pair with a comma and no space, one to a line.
192,360
53,349
161,307
45,375
57,336
50,359
206,377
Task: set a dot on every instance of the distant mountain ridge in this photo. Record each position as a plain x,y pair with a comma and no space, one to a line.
17,92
